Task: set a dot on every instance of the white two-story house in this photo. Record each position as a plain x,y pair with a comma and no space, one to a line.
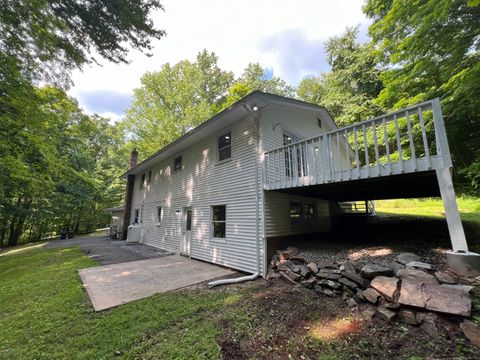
269,167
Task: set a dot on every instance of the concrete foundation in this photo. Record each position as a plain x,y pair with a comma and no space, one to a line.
464,263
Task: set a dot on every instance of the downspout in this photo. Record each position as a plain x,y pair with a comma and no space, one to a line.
257,213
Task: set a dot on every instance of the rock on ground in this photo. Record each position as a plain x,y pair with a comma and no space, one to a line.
444,278
418,275
405,258
371,270
471,331
434,297
419,265
371,295
387,286
408,316
386,314
429,326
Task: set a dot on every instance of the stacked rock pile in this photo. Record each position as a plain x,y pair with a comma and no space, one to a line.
408,288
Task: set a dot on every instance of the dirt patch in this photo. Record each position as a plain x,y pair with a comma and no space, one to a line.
280,321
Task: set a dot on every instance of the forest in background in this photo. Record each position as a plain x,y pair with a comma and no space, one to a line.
60,166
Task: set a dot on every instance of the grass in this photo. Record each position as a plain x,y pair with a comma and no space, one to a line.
45,314
469,207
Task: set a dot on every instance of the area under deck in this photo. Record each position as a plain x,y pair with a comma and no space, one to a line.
404,154
412,185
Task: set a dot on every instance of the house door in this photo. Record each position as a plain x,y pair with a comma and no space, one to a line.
187,231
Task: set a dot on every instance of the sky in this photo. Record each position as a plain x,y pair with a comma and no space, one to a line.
285,37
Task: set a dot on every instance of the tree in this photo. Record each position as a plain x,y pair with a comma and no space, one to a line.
431,49
254,77
50,38
175,99
349,90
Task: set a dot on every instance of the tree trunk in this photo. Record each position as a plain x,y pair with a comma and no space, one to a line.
11,240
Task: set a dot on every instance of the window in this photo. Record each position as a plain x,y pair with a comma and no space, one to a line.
295,213
309,211
136,216
177,163
149,178
159,215
319,122
295,155
142,182
224,146
219,216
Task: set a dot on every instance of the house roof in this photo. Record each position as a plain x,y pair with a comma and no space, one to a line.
255,100
116,208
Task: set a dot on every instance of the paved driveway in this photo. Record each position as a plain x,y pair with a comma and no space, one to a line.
113,285
107,251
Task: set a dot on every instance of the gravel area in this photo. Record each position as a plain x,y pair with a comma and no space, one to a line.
378,240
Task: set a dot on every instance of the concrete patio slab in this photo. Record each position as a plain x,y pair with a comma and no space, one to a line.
112,285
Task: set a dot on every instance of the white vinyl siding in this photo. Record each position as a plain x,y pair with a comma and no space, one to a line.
204,182
300,123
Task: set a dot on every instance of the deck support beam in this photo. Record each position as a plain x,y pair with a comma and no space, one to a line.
460,259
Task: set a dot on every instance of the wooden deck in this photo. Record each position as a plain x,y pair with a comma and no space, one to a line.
411,140
398,155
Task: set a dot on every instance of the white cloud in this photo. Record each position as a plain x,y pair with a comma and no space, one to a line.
285,36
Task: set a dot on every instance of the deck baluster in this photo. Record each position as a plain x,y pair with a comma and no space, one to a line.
399,143
387,147
375,145
365,143
357,161
410,138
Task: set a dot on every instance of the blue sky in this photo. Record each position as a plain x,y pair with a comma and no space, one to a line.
286,37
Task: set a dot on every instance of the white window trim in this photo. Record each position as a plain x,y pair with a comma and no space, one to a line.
217,154
217,239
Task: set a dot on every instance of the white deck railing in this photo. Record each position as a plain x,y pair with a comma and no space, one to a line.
405,141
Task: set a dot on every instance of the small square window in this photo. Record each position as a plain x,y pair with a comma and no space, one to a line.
219,216
159,215
177,163
142,181
224,146
295,213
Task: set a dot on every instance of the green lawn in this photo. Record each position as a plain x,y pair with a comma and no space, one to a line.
469,207
45,314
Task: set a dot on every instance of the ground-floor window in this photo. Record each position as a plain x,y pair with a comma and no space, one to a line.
295,213
136,216
219,221
159,215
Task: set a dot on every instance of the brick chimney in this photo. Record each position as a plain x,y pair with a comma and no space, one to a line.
133,159
129,193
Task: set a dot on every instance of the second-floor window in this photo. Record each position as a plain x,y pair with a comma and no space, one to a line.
224,146
142,181
177,163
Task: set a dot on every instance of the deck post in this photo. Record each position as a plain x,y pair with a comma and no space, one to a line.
460,259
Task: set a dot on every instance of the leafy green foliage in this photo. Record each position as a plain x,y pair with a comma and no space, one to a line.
432,49
175,99
50,38
349,90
